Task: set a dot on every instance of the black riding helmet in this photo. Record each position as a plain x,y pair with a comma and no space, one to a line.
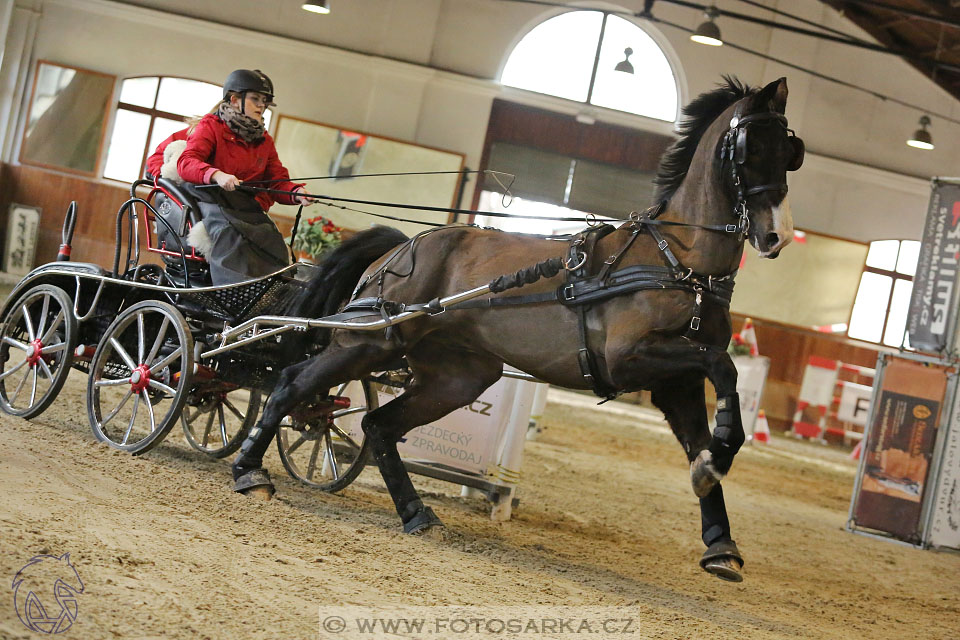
243,80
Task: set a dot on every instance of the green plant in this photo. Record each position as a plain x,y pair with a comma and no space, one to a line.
317,236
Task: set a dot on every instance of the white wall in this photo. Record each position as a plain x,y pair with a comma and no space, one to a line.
425,71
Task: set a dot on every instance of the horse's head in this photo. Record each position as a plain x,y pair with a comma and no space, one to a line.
756,152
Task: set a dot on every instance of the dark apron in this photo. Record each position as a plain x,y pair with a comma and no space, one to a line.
245,242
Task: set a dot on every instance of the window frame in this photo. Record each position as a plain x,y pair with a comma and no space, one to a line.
668,55
153,113
894,275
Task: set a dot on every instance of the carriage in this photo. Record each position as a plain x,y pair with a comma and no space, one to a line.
161,345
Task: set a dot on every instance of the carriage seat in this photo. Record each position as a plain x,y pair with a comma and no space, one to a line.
178,206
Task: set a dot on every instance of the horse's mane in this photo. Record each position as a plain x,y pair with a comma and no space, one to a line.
699,114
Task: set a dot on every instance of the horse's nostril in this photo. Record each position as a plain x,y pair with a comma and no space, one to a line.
772,239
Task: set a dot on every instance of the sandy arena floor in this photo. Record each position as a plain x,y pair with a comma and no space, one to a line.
606,519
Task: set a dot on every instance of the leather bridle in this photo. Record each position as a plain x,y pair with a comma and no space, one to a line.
733,150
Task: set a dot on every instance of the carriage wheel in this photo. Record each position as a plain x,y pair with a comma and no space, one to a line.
329,455
216,422
36,349
140,376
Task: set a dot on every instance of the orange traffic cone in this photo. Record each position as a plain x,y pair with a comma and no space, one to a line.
749,336
761,431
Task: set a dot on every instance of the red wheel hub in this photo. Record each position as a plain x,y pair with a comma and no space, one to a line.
140,378
34,352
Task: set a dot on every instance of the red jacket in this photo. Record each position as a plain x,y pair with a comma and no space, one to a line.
214,146
155,161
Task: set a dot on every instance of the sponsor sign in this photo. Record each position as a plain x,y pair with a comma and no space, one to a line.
854,403
933,301
22,225
469,439
945,521
899,448
751,378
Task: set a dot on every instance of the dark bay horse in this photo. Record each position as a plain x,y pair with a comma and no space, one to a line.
723,181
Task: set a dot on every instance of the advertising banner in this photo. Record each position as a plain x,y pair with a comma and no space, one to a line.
945,521
899,448
932,304
469,438
751,378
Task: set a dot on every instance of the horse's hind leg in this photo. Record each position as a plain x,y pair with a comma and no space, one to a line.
300,383
682,403
444,379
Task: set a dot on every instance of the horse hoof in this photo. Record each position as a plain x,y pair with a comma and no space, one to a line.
724,568
703,475
420,523
255,484
723,560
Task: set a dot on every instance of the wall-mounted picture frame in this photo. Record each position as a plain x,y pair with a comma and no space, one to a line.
348,160
67,118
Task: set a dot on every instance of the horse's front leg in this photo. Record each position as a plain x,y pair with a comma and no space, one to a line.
675,374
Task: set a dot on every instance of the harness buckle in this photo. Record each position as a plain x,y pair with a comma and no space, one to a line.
695,323
731,228
610,260
662,245
567,293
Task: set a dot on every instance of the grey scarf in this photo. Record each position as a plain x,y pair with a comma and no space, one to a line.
243,125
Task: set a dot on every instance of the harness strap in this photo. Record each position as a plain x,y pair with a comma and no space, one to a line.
589,368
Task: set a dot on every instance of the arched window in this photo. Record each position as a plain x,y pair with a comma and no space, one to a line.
149,110
597,58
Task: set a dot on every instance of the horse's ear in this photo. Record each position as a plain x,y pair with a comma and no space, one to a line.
773,97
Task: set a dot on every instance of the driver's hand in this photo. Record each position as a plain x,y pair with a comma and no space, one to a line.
226,181
304,199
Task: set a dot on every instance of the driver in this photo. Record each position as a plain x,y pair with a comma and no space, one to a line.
227,147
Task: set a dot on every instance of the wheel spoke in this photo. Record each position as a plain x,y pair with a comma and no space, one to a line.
23,381
234,410
28,322
162,387
166,361
343,434
313,459
46,368
111,383
141,330
341,389
153,419
19,366
44,310
127,360
332,459
296,445
53,327
15,343
159,341
223,425
346,412
110,416
54,348
33,387
133,418
207,430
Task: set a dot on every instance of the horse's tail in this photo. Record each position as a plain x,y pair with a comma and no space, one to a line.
337,275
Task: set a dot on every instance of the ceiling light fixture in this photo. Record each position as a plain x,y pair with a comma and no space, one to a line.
921,138
316,6
708,32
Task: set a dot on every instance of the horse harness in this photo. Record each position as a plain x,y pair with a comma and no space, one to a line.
582,288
